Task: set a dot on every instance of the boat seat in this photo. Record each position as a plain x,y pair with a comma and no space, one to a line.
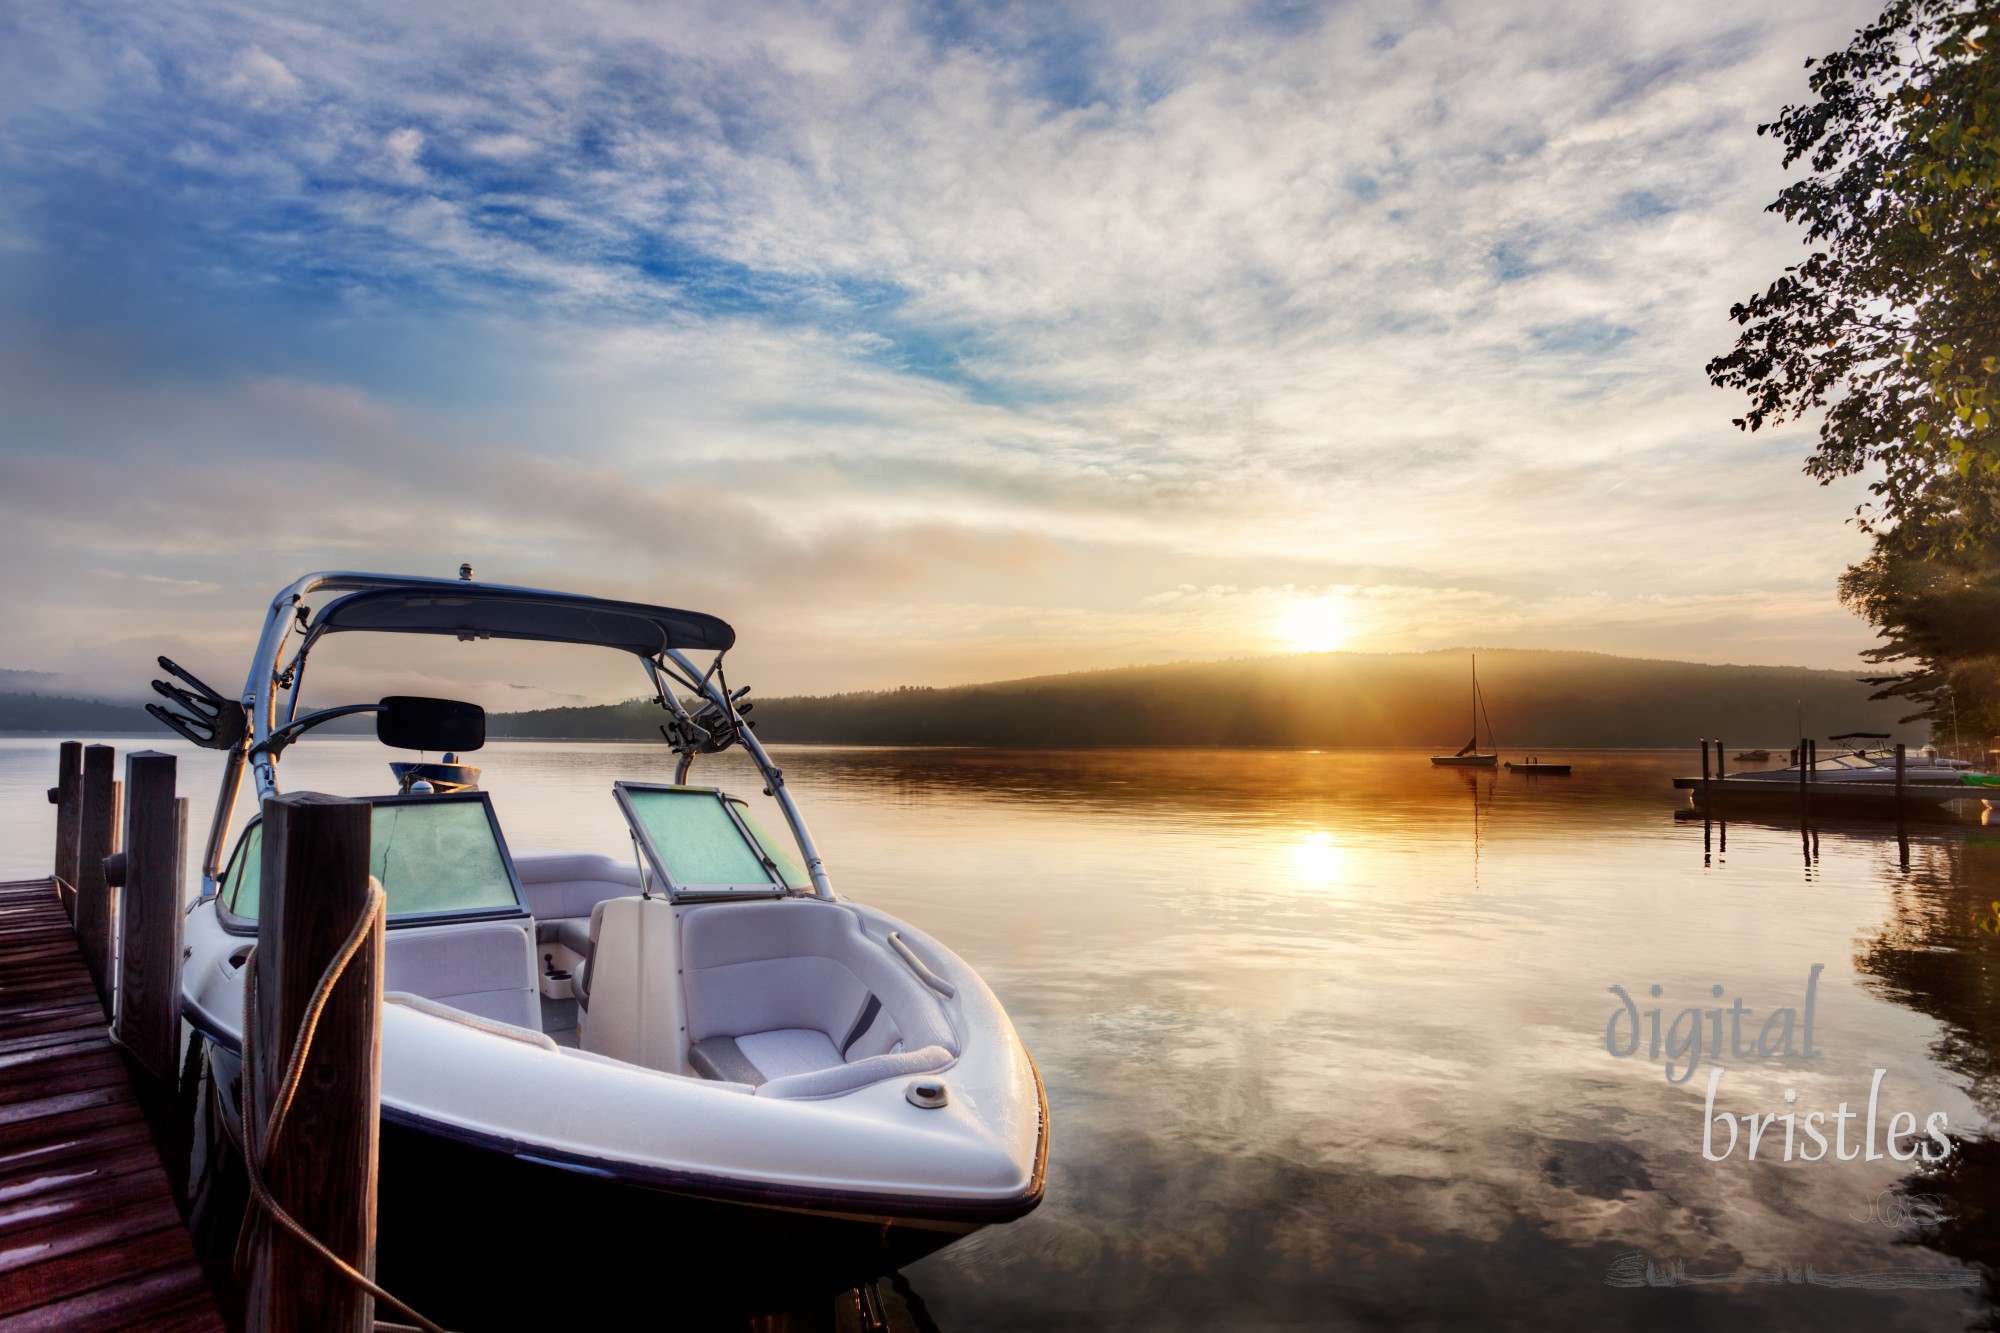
563,887
791,997
483,967
759,1057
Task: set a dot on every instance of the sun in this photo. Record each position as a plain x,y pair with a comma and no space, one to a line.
1315,625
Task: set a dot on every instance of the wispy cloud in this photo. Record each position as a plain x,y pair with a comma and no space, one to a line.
934,339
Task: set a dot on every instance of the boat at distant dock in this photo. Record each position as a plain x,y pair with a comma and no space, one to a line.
1858,763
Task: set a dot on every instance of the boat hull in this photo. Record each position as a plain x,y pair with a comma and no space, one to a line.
473,1234
442,777
1466,760
724,1251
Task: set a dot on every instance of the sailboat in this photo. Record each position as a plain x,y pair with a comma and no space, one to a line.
1471,756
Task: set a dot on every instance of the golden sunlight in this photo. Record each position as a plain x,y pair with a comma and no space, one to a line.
1316,625
1318,860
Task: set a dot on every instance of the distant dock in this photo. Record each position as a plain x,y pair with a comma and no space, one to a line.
1919,800
1766,791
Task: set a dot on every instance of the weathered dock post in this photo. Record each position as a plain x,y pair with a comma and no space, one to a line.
97,838
68,797
1805,765
1901,764
147,877
318,1151
1707,806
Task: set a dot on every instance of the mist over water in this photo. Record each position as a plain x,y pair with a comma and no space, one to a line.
1324,1034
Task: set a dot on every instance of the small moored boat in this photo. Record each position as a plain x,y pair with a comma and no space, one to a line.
1470,755
1536,766
446,775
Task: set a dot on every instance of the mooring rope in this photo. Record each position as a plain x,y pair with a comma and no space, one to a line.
258,1142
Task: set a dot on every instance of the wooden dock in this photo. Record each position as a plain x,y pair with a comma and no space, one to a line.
1918,800
90,1235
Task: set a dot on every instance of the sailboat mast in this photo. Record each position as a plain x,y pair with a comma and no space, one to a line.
1475,703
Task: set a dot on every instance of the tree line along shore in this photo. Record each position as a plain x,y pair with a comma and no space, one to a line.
1543,699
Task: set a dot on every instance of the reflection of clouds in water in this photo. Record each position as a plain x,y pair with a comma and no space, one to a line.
1218,1237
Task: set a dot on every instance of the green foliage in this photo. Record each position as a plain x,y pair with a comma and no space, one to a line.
1891,327
1941,613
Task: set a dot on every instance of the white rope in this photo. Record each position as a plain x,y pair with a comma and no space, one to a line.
258,1142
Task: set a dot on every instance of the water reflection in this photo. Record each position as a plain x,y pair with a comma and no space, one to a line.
1323,1034
1317,860
1936,954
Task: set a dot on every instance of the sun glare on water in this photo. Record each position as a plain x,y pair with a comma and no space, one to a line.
1315,626
1318,861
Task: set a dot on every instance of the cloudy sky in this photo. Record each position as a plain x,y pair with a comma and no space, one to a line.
926,343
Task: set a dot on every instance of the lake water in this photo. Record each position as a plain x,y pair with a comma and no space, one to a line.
1324,1034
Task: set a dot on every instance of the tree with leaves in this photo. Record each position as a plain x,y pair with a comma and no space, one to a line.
1890,329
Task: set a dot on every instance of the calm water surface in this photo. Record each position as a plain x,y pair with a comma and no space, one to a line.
1324,1033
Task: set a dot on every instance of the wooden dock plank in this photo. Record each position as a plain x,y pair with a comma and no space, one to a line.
90,1237
134,1303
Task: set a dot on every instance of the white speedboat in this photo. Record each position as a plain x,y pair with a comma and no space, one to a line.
695,1075
1868,766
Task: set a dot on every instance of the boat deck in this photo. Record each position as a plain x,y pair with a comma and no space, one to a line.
90,1237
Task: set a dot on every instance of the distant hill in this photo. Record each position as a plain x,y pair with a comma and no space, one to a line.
1536,699
40,712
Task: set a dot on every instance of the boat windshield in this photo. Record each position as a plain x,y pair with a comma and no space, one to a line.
435,856
787,865
702,841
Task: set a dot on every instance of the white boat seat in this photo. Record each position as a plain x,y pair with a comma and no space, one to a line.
627,988
563,887
759,1057
791,997
580,975
483,967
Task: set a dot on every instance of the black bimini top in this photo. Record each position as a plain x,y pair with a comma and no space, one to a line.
475,612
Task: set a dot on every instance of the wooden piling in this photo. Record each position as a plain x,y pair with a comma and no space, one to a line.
1805,765
69,805
148,1012
1900,766
322,1166
149,917
96,839
1707,797
1719,774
